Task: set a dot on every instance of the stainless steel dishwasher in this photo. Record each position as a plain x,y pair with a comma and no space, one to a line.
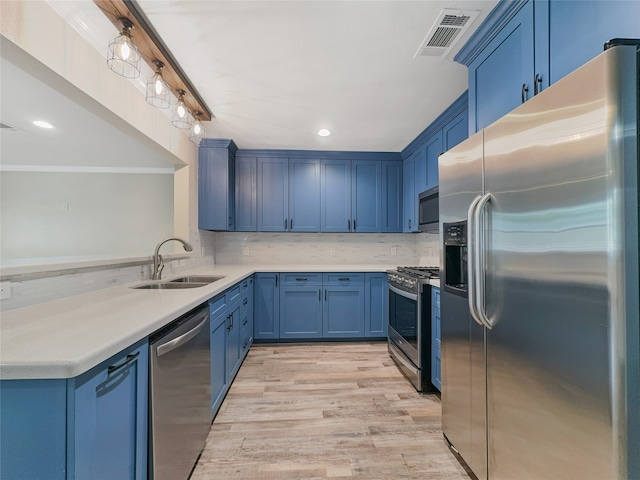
180,395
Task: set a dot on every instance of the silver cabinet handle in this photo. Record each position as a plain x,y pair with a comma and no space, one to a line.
291,224
537,84
130,358
181,340
301,279
525,90
409,224
354,224
285,224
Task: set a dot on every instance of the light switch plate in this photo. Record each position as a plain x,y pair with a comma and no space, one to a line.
246,251
5,290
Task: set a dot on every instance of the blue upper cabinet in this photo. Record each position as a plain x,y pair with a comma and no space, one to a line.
420,170
433,149
409,198
579,29
304,195
524,46
391,196
501,78
366,196
273,194
246,194
336,196
216,184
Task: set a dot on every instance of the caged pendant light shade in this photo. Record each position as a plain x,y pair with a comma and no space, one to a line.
196,132
158,92
181,116
123,56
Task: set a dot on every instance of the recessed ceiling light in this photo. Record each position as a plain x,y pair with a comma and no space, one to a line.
323,132
42,124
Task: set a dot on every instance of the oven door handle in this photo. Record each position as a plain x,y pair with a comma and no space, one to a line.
402,293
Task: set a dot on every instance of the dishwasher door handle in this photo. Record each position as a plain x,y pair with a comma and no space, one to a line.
181,340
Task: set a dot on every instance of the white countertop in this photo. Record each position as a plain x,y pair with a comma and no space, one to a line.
67,337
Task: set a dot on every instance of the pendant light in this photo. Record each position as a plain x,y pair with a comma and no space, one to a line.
123,56
196,132
158,92
181,116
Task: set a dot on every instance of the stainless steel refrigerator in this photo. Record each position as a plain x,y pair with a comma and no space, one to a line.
539,306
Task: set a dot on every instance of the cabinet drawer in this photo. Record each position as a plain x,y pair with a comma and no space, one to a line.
343,279
217,306
301,278
233,294
435,297
246,285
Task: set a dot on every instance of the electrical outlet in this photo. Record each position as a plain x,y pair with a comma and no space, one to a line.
333,251
175,263
394,251
183,262
5,290
246,251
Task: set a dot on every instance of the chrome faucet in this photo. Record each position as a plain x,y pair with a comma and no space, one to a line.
158,265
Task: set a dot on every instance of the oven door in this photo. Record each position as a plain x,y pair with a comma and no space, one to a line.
404,322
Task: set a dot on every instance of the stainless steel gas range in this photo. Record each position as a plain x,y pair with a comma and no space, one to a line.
410,323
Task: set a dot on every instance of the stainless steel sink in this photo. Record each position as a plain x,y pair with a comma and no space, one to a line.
169,285
196,279
189,281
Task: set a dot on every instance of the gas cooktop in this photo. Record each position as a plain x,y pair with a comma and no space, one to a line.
420,272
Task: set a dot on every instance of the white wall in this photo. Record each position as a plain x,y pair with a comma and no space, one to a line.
46,214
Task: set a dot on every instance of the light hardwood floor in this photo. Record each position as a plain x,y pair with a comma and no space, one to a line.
328,410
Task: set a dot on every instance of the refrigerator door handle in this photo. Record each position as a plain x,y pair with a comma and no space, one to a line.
471,260
480,259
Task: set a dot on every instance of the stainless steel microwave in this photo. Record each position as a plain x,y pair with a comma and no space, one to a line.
428,210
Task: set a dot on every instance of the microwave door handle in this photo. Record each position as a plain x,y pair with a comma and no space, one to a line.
471,260
481,259
402,293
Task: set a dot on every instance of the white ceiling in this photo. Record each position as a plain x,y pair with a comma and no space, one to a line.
275,72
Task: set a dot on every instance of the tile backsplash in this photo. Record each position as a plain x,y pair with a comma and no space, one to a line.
324,248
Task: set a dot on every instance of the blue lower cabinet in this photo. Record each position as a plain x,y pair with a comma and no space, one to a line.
343,311
34,425
301,311
376,301
266,307
110,419
234,328
90,427
435,337
219,379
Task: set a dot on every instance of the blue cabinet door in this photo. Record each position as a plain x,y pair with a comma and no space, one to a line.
216,186
301,311
246,194
273,194
376,304
499,76
391,197
234,327
343,311
420,170
435,338
335,206
366,196
304,195
219,380
409,198
108,428
266,307
579,29
433,148
455,131
33,429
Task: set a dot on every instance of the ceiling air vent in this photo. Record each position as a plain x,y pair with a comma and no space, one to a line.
445,32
